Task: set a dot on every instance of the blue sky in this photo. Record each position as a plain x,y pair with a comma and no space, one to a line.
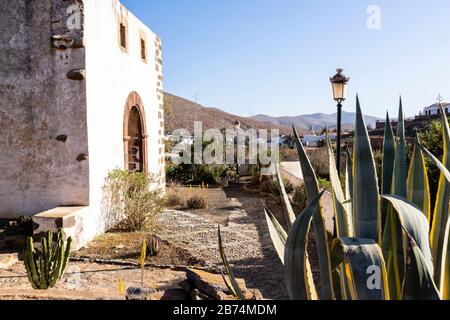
276,56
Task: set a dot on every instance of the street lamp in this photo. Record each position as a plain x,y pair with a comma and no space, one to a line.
339,83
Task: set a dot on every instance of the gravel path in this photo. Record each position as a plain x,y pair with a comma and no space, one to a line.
246,240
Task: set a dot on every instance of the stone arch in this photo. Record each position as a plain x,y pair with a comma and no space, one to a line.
135,135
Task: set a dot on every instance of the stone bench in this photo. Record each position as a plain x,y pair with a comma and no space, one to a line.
69,219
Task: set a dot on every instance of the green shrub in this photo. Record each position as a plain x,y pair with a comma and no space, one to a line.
196,202
133,199
198,173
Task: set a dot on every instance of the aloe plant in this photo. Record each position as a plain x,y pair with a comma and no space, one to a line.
384,248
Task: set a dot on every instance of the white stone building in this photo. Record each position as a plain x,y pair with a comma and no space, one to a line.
434,109
80,95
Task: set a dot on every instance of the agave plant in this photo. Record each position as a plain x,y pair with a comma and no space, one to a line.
384,249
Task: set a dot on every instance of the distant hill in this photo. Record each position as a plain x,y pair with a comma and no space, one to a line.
317,120
185,112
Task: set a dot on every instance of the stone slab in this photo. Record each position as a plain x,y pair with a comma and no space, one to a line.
7,260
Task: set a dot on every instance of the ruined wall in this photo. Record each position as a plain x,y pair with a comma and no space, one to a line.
112,73
43,132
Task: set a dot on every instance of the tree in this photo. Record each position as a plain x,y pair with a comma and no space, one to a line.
432,140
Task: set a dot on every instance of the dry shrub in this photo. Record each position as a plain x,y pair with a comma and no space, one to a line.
196,202
134,199
174,195
173,199
299,198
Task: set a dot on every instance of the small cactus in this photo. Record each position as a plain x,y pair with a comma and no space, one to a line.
44,269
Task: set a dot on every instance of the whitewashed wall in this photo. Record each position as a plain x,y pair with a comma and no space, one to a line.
111,75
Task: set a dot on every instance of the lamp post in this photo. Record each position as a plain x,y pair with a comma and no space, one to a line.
339,84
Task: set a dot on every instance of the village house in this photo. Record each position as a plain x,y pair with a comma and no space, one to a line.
435,109
81,94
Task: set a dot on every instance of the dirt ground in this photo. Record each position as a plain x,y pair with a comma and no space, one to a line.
86,281
189,238
126,247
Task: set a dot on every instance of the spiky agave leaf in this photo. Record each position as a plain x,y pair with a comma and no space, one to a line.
392,235
413,221
399,175
418,188
367,220
388,165
237,291
299,282
290,215
442,259
340,213
364,269
348,204
419,284
444,283
320,233
441,211
277,233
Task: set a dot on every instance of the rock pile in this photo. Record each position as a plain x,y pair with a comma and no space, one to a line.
198,285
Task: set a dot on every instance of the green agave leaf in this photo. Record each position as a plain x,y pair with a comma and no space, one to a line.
365,269
349,189
320,233
419,284
399,179
441,212
290,215
416,225
439,164
237,291
392,236
388,165
418,188
340,214
442,260
340,281
444,282
298,274
393,251
277,234
367,220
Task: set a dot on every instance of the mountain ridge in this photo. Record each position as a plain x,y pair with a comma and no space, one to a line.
185,112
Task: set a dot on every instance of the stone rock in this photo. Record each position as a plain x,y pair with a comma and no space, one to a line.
196,295
252,294
134,293
63,41
76,74
186,286
225,297
208,283
174,295
7,260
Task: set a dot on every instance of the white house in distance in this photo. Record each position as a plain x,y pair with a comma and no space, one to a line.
434,109
77,101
